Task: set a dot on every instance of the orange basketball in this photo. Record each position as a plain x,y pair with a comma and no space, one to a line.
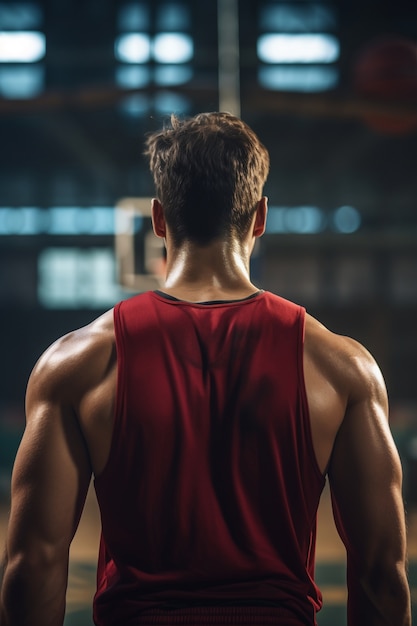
385,72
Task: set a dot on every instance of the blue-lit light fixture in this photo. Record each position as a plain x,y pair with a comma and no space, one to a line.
173,48
133,48
289,48
21,46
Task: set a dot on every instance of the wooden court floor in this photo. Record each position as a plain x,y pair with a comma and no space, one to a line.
330,571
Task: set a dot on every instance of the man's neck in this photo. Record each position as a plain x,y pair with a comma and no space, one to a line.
219,271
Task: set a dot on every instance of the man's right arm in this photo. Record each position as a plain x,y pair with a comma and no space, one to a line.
365,478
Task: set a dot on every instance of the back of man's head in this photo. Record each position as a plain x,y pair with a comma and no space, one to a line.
209,172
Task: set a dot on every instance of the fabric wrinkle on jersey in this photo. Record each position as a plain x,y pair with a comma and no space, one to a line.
209,497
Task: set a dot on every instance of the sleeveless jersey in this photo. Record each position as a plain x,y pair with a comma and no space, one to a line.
209,497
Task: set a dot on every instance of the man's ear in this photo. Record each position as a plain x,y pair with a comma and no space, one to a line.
158,219
260,217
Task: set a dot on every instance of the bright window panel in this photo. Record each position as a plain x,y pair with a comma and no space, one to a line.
136,105
346,219
94,220
63,221
21,81
311,48
301,220
305,18
307,79
72,278
133,48
20,16
131,76
81,221
173,17
21,47
167,75
173,48
20,221
168,102
133,17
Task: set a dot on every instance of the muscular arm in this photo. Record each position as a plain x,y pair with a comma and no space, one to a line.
49,485
365,478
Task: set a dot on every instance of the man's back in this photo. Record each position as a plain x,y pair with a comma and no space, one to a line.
211,490
71,398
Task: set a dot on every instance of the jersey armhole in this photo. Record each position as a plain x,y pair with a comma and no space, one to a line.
120,381
303,395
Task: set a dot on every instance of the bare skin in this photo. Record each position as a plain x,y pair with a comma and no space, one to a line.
69,407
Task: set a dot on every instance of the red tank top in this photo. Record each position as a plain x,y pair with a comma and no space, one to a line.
209,498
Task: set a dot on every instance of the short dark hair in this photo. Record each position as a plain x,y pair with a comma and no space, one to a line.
209,172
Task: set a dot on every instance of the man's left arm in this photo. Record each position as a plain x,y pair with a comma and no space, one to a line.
50,480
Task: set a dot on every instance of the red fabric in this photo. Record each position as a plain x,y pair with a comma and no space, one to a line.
210,493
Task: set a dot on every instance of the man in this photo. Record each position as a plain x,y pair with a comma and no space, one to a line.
209,414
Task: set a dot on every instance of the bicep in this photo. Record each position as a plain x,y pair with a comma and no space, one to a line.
366,479
50,480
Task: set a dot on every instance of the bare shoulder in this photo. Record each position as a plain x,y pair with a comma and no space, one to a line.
76,360
344,361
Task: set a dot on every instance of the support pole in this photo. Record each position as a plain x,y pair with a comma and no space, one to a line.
228,52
